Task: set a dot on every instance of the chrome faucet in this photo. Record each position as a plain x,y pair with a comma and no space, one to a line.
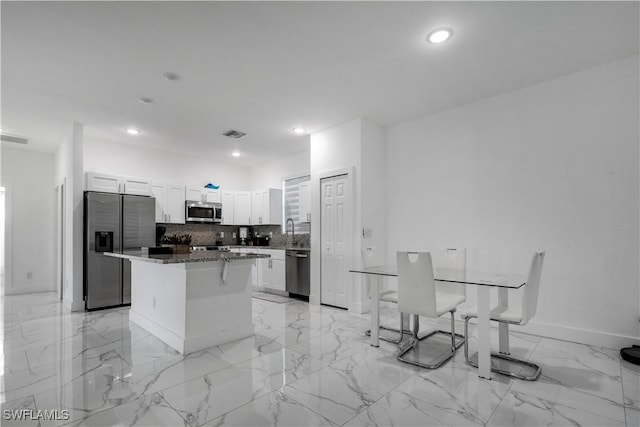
293,230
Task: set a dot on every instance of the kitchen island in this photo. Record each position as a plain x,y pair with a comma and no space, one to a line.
191,301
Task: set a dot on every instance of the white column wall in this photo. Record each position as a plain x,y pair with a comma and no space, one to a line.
68,169
30,203
337,148
552,166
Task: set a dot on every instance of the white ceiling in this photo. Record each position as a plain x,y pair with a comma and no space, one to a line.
265,67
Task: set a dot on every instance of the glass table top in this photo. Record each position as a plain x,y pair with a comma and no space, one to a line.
479,278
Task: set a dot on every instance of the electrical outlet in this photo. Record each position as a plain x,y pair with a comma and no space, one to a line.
233,235
271,234
222,234
29,275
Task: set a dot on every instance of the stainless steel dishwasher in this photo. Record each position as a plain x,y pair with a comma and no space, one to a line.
298,272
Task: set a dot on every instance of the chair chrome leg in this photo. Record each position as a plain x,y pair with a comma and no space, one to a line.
415,342
391,340
536,368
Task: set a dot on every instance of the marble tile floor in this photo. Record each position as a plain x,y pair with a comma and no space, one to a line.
305,366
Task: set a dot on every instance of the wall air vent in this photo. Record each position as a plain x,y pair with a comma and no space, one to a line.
13,138
234,134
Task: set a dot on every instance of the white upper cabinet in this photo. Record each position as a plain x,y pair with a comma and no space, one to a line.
211,195
169,203
136,186
305,201
102,182
160,194
107,183
241,208
175,204
203,195
194,194
266,206
227,197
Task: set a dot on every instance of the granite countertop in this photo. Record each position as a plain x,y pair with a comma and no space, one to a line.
282,248
203,256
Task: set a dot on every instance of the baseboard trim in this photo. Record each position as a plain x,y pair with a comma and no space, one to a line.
559,332
582,336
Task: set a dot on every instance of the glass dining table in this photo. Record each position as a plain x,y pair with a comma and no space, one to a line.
484,281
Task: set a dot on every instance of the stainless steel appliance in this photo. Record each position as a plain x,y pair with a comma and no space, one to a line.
298,275
203,211
113,222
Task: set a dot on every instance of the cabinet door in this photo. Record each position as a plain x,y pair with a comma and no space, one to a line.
257,210
272,206
278,274
242,208
194,194
160,194
305,202
211,195
264,272
136,186
102,182
227,207
175,204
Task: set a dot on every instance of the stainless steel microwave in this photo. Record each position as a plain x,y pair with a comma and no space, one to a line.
203,211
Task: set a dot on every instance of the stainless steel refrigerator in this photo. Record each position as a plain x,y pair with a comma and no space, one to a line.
113,222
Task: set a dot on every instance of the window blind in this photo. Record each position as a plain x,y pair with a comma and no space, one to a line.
291,199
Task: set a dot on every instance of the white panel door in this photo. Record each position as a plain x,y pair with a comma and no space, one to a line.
333,235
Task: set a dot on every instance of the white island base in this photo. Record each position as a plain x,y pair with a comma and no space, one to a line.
190,306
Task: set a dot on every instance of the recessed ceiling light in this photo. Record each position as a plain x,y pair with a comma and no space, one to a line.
236,154
132,131
171,76
440,35
298,130
145,100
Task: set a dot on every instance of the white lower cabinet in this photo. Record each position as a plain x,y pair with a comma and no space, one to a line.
271,271
268,273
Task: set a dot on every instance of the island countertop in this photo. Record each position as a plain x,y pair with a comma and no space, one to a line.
202,256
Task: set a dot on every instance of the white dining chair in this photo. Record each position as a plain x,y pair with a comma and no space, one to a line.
517,315
370,259
454,261
417,295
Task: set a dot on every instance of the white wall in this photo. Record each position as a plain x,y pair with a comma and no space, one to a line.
30,203
68,170
552,166
271,174
162,166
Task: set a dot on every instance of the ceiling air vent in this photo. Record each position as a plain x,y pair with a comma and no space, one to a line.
14,138
234,134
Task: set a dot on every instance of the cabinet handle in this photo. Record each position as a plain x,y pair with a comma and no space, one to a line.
169,217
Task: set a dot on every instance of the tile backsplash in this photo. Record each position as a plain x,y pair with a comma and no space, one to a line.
207,234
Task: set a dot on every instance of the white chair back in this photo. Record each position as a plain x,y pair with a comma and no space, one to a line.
454,259
369,258
532,288
416,285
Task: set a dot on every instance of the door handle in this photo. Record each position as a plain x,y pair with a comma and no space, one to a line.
302,256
